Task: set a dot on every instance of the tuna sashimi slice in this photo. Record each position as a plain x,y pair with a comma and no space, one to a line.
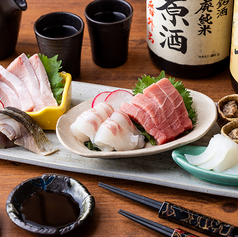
167,107
22,68
43,79
150,106
8,97
141,117
18,87
177,101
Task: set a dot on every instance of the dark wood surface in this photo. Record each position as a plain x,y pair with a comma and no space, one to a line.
105,220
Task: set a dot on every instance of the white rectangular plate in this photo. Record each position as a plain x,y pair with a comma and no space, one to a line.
159,169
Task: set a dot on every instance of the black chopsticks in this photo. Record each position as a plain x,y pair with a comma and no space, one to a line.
180,215
155,226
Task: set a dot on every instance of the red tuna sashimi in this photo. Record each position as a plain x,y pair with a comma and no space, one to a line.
8,96
165,102
18,87
22,68
141,117
177,101
150,106
42,77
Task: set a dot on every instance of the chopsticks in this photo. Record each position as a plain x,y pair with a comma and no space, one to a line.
154,225
133,196
180,215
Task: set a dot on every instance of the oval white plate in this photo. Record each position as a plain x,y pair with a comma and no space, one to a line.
206,117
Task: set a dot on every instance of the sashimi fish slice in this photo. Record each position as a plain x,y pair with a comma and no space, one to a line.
18,87
8,96
43,79
118,133
87,123
22,68
28,134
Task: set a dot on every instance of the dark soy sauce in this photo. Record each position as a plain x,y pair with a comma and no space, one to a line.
50,209
108,17
59,31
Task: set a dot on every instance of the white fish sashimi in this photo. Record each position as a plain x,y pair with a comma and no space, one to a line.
8,96
87,124
206,155
18,87
118,133
22,68
43,79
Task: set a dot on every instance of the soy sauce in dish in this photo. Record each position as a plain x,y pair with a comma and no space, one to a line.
59,31
108,16
46,208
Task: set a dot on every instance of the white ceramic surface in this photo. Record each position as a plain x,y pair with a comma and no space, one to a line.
206,117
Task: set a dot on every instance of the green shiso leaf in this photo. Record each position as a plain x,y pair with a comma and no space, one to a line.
52,67
146,81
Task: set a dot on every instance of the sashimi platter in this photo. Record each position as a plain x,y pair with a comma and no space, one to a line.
144,124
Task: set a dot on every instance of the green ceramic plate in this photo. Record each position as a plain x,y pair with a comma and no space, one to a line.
205,175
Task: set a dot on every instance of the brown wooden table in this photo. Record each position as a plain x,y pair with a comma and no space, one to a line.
105,220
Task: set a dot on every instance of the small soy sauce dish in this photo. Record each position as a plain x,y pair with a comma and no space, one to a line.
52,204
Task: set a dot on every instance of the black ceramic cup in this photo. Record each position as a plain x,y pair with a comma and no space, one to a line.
61,33
109,23
10,21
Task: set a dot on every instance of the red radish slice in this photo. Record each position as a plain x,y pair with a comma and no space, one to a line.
1,105
118,97
100,98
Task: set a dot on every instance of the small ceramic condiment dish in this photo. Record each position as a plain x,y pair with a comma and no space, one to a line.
51,183
227,128
47,117
222,119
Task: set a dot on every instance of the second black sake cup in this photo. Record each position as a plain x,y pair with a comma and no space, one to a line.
109,23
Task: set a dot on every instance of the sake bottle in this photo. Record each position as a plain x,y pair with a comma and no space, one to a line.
234,49
189,38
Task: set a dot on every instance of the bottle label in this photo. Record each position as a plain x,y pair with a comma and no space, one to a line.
191,32
234,44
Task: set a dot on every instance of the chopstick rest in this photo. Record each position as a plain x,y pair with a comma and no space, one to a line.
156,226
180,215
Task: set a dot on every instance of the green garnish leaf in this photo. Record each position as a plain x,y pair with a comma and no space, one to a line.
91,146
52,67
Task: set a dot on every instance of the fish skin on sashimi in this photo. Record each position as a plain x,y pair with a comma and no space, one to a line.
18,87
22,68
43,79
141,117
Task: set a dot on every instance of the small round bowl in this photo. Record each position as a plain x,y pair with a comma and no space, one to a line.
227,128
222,119
54,183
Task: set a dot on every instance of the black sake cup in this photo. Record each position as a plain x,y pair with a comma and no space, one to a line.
109,23
53,39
